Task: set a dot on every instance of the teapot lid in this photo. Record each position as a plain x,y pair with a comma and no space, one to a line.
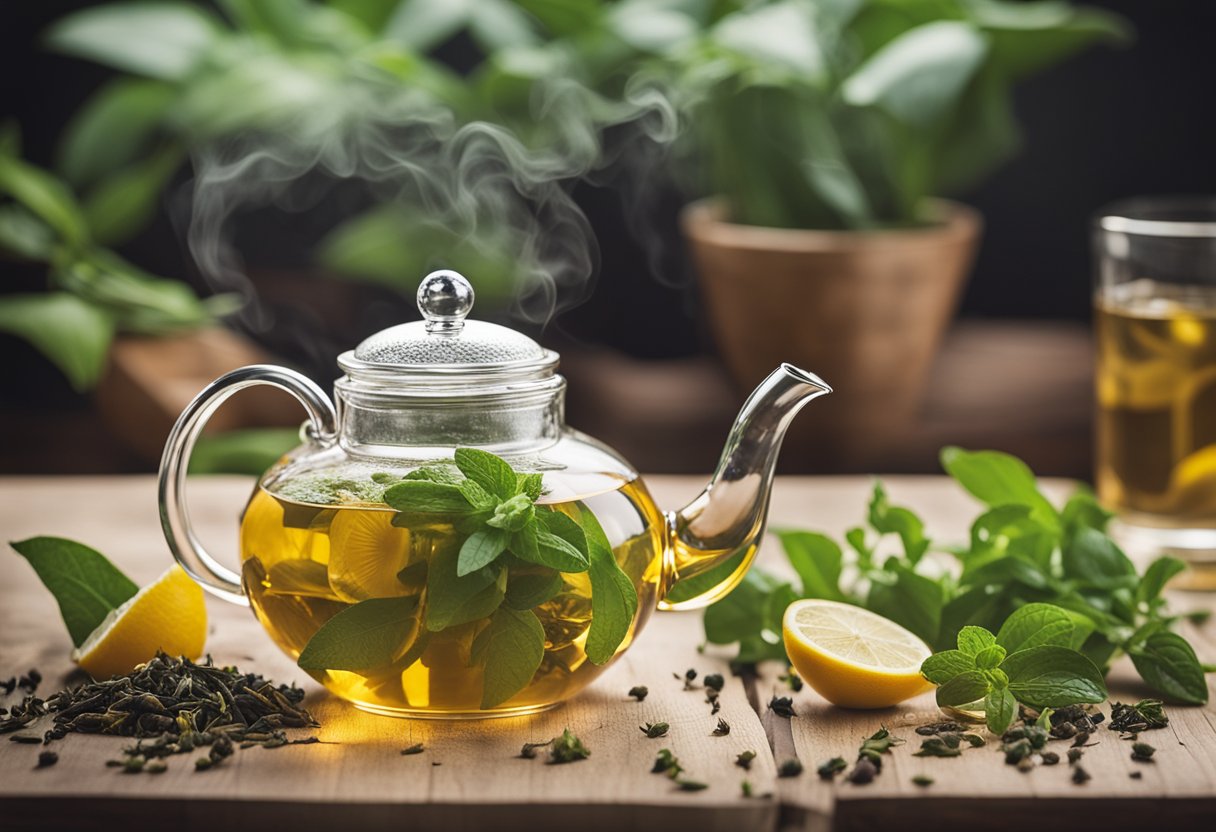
444,344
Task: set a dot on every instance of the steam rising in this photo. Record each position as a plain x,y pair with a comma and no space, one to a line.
477,180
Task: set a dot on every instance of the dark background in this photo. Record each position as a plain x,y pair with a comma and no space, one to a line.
1111,123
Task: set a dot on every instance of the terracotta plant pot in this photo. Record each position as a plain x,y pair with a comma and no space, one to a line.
866,310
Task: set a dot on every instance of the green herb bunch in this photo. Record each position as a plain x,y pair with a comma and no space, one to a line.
1022,550
507,558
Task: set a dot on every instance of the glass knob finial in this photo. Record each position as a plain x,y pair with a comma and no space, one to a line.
444,299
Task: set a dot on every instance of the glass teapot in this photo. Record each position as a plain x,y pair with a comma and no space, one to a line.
442,545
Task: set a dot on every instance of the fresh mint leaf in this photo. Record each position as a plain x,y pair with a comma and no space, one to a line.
568,529
971,640
528,590
477,496
1000,708
817,560
908,599
511,649
965,688
368,635
480,549
614,599
1051,676
1035,625
427,497
453,599
990,657
1002,570
523,544
742,613
556,552
1083,511
996,479
85,584
989,528
1168,663
1156,577
531,484
888,519
941,667
444,473
1094,560
489,471
688,588
513,514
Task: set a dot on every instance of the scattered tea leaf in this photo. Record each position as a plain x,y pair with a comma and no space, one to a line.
723,728
46,759
1142,752
922,780
782,706
568,749
714,681
828,769
789,768
639,692
654,730
667,763
744,759
691,785
416,748
528,752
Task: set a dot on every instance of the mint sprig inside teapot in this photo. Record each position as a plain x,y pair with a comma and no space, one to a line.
496,507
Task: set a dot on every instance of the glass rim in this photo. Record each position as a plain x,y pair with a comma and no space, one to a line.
1141,216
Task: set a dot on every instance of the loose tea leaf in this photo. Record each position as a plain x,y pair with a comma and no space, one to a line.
654,730
744,759
1080,776
416,748
922,780
830,768
47,758
723,728
691,785
715,682
568,749
528,752
789,768
782,706
1142,752
639,692
863,772
1145,715
667,763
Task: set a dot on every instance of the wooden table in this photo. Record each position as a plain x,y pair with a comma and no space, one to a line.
470,776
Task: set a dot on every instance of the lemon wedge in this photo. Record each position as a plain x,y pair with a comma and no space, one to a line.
366,551
853,657
168,614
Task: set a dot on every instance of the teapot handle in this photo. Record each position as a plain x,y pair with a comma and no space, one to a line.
174,514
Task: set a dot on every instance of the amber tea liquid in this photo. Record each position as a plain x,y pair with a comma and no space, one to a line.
304,562
1156,399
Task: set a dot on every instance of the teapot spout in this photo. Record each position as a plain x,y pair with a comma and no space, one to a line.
714,538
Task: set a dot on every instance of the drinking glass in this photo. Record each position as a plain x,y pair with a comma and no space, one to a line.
1155,321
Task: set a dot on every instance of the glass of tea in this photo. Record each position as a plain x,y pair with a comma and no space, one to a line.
1155,320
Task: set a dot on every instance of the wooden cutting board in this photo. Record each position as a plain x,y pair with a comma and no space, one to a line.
470,776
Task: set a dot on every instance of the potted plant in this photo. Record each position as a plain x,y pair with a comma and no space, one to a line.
825,135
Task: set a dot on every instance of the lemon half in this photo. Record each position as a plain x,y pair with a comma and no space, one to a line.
366,551
168,614
853,657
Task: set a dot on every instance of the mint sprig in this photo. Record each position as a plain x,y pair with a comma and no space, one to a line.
1021,551
1030,661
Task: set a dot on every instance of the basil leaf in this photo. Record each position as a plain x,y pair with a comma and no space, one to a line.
911,600
1053,676
963,689
887,519
427,497
371,634
1093,559
531,589
990,657
489,471
480,549
972,639
1000,708
452,599
817,560
1168,663
1157,576
614,598
941,667
1035,625
512,647
85,584
996,479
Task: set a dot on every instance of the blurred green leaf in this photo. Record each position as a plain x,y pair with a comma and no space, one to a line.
424,24
373,14
113,128
918,77
781,35
123,203
24,235
251,451
74,334
44,196
1029,36
157,39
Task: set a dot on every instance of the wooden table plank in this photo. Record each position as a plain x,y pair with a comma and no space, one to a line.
480,782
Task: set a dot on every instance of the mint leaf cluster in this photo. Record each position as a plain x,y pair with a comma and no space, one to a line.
1032,660
1021,551
506,558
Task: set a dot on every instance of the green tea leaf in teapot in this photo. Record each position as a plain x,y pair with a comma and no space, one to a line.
511,649
528,590
555,552
370,634
85,584
490,472
425,496
453,599
530,484
614,600
513,514
480,549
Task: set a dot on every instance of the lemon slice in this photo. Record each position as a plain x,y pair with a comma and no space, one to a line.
853,657
168,614
366,551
